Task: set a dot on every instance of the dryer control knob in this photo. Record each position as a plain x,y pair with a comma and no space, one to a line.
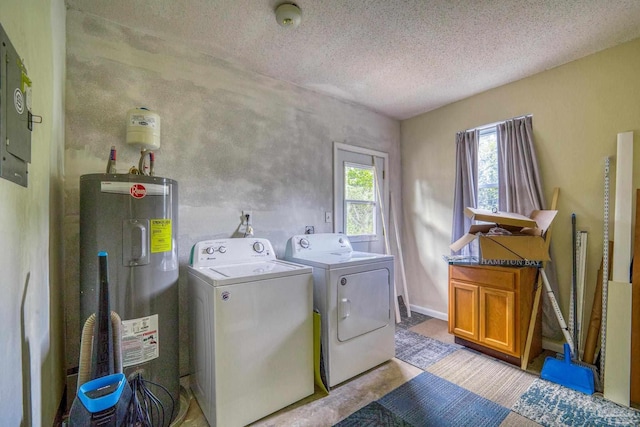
304,243
258,247
222,249
210,250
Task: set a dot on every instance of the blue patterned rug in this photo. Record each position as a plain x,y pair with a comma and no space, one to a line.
421,351
551,404
428,400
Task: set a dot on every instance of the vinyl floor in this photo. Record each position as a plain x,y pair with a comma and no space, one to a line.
521,395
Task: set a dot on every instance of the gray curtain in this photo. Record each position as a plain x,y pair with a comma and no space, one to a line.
520,191
519,185
465,192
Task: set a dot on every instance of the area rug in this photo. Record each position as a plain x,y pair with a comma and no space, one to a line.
373,415
420,351
428,400
406,321
553,405
487,377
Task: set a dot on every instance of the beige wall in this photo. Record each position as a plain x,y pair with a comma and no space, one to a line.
32,332
577,108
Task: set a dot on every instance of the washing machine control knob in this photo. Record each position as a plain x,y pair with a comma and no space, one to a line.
222,249
304,243
258,247
210,250
341,240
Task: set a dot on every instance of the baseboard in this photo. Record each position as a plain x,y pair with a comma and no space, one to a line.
549,344
428,312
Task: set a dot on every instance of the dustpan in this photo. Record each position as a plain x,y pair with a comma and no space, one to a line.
566,373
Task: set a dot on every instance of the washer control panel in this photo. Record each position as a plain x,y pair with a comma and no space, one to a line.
209,253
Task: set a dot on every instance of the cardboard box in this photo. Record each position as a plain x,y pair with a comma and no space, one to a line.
526,243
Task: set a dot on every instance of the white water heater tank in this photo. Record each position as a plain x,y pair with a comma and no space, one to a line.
143,128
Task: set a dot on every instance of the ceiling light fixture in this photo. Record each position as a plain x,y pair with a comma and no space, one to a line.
288,15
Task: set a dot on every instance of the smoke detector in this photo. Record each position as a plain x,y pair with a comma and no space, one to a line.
288,15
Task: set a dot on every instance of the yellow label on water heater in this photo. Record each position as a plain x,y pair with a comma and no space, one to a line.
160,235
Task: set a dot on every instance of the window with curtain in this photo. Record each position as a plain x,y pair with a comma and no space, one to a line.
496,168
519,188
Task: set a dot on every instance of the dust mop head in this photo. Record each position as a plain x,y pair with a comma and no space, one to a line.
565,373
103,401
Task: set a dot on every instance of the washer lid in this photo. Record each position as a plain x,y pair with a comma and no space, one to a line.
247,272
339,260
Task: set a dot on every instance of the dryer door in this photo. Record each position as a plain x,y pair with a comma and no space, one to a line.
363,303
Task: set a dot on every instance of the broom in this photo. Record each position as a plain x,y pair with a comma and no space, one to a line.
565,372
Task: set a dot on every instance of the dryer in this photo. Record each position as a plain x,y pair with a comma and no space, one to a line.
251,330
353,291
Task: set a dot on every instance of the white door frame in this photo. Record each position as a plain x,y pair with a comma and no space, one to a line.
337,146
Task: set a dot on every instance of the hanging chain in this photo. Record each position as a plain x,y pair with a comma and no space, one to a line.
605,271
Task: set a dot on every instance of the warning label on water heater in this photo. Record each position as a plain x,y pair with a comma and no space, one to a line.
140,341
160,235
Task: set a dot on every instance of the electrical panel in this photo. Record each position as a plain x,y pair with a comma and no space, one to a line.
16,120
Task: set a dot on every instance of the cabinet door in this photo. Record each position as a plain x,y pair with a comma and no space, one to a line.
497,318
463,310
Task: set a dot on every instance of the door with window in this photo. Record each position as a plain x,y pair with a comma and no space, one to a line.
361,196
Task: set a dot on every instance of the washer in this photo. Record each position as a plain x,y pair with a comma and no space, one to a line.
251,330
353,291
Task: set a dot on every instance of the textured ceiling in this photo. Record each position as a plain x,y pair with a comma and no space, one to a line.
398,57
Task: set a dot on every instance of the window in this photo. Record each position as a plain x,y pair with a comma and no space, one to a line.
359,200
361,196
488,168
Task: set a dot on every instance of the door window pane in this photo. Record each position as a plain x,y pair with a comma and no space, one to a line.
359,200
360,218
359,183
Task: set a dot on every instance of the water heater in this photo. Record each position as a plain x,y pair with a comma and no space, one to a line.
134,219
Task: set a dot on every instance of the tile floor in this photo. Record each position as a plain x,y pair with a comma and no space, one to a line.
318,410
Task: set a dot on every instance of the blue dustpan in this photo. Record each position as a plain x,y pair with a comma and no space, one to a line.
566,373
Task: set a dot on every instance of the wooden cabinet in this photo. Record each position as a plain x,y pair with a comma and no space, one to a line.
490,307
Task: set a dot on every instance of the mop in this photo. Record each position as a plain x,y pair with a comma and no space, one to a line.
103,394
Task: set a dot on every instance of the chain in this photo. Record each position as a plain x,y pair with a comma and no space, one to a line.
605,271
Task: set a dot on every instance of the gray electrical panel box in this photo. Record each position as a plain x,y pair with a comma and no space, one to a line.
15,114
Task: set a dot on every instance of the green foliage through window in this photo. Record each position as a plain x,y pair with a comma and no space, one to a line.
488,169
360,200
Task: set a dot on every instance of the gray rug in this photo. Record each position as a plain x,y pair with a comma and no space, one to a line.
407,322
420,351
428,400
551,404
373,415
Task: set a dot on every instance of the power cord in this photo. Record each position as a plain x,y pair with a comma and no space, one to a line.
248,231
145,409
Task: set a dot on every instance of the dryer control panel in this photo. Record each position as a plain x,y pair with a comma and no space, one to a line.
320,243
211,253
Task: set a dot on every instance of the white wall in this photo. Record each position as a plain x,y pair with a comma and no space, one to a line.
577,108
32,332
232,139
